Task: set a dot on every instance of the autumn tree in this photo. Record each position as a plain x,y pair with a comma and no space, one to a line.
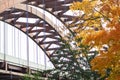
98,26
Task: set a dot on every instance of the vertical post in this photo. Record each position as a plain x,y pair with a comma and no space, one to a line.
0,36
37,56
14,43
5,45
19,46
27,40
44,32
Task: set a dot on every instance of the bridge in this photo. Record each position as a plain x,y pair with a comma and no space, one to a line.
36,23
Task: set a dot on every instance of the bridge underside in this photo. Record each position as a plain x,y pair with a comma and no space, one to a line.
9,77
14,72
11,72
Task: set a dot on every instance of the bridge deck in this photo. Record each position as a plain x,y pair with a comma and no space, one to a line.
15,67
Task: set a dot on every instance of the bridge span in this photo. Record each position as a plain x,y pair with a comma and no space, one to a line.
42,21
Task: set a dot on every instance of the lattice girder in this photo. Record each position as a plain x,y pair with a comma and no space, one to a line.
43,34
55,7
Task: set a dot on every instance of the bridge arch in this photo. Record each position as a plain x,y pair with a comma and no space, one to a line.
42,33
21,5
59,17
14,13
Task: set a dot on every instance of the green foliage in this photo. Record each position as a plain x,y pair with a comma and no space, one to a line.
72,62
35,76
26,77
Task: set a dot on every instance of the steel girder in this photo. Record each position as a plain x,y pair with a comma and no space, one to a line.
43,24
57,8
42,33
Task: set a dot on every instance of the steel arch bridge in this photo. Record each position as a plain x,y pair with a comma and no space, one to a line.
40,10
